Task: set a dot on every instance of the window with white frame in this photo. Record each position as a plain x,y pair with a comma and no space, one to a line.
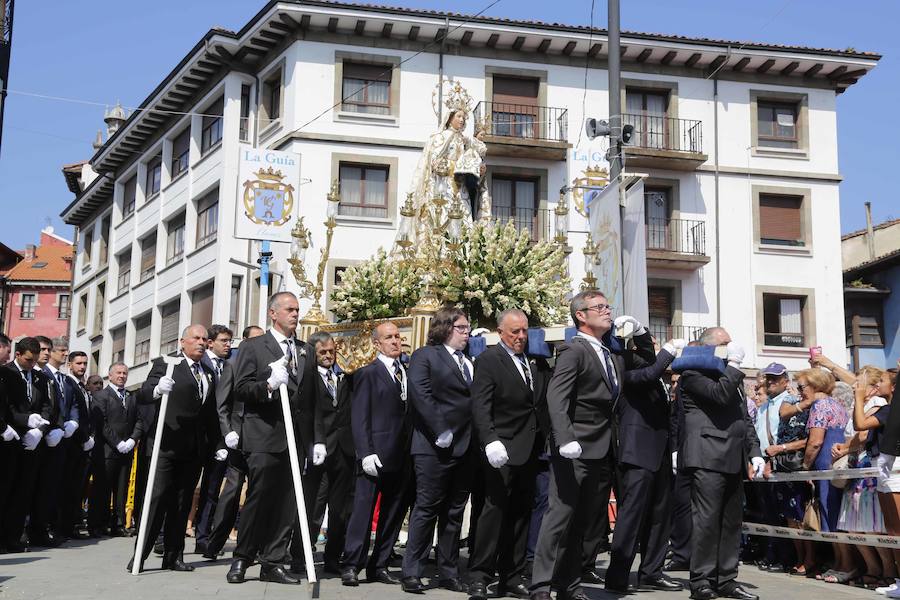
208,218
142,339
211,131
181,150
28,303
175,239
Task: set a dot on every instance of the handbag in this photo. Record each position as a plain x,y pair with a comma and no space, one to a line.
841,463
789,462
811,520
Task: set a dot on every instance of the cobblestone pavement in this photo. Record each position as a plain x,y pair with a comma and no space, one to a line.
96,571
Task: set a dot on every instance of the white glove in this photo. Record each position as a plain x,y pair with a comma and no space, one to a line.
129,445
496,454
371,464
122,447
32,439
88,445
10,434
444,440
570,450
735,354
232,439
35,420
674,462
53,437
319,454
279,374
70,427
221,454
759,465
638,328
673,346
163,386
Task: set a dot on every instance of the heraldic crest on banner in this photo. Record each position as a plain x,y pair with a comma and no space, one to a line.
267,199
592,177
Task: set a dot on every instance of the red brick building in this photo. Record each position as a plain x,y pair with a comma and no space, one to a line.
37,290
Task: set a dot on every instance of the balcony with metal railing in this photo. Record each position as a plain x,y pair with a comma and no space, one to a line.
525,130
663,142
664,332
537,221
676,243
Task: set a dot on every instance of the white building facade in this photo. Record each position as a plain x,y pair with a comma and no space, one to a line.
739,143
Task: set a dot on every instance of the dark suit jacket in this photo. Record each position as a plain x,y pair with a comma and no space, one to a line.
115,423
76,396
42,399
228,409
210,413
332,425
65,408
378,417
184,433
580,399
718,435
263,419
440,400
643,410
505,409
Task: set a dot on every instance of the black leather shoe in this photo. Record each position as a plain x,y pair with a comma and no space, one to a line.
277,574
176,564
618,589
591,577
131,566
16,548
453,584
736,591
519,590
539,596
412,585
577,596
209,555
237,571
662,583
349,578
119,532
78,534
704,593
676,565
382,575
478,591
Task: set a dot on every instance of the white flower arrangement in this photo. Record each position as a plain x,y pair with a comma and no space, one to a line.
496,267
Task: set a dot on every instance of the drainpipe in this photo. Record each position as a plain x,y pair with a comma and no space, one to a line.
870,233
718,220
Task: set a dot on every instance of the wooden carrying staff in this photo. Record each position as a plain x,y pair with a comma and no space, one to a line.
298,485
170,361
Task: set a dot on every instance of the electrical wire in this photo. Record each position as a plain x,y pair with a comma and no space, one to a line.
741,47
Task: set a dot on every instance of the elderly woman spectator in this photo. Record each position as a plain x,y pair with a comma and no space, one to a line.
825,427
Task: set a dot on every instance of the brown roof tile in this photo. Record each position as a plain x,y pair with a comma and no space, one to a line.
54,267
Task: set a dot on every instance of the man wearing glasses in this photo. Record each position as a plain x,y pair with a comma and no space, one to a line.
439,379
581,398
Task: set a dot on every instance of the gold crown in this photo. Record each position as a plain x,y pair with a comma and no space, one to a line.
458,98
270,174
596,172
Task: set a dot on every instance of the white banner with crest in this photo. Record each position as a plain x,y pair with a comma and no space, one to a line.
268,181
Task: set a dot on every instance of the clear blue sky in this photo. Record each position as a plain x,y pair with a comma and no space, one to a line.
105,50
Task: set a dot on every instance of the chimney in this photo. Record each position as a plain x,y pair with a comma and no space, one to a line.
29,252
870,234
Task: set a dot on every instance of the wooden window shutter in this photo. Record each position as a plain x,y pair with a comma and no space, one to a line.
779,219
514,90
202,305
368,72
660,302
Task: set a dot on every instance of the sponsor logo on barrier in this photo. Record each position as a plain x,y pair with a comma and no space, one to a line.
887,540
856,538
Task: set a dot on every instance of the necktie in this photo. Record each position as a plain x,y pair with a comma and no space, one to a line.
196,369
463,367
27,377
289,355
525,370
329,383
611,373
123,395
398,379
218,367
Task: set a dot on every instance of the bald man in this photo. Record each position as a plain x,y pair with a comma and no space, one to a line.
183,444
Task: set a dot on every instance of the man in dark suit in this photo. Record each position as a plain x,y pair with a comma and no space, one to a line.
720,447
680,518
45,516
644,466
379,422
509,409
581,399
117,431
183,442
264,364
333,453
230,415
440,376
79,444
215,460
29,413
